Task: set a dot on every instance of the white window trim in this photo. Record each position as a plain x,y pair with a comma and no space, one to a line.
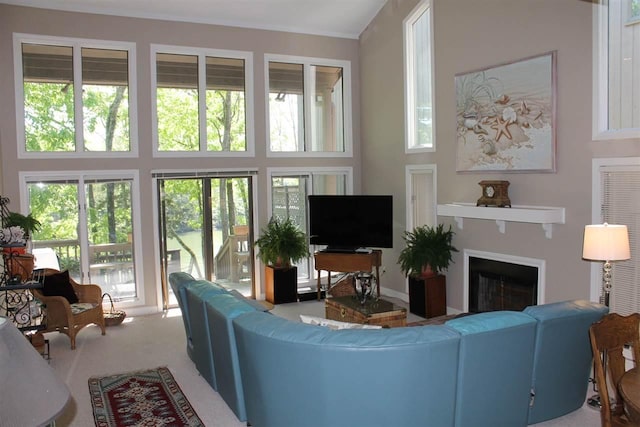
81,175
600,131
248,95
76,44
251,173
287,171
410,170
409,81
347,104
596,213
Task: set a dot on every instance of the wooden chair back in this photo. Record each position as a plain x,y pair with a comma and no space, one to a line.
608,339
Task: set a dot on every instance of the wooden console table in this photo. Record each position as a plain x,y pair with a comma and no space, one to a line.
347,263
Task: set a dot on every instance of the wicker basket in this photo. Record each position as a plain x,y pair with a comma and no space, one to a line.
113,317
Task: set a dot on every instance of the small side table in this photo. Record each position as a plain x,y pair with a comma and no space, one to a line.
428,296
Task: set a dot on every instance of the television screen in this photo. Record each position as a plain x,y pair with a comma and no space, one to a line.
346,223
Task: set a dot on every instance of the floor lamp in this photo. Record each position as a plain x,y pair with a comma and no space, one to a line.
605,242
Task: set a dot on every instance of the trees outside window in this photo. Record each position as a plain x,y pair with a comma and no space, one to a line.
309,103
202,101
76,97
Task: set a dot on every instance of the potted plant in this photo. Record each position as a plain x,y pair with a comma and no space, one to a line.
16,231
280,245
428,250
427,253
27,222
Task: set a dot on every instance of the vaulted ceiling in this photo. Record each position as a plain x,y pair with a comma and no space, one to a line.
339,18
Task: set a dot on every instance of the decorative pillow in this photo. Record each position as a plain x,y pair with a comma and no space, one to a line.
58,284
334,324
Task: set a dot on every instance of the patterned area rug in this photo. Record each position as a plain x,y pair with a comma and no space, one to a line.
149,398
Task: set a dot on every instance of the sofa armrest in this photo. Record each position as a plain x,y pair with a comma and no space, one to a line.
58,310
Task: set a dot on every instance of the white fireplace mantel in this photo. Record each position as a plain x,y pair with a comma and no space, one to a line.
543,215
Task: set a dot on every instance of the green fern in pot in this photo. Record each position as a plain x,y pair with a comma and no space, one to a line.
427,248
282,243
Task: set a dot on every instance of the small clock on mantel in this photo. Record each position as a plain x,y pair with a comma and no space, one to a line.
494,193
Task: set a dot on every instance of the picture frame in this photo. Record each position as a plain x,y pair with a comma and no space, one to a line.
506,117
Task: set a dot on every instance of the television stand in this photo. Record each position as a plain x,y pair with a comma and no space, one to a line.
347,263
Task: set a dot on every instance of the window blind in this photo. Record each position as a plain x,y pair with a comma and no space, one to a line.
620,204
202,174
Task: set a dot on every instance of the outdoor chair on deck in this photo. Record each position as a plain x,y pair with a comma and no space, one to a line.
69,306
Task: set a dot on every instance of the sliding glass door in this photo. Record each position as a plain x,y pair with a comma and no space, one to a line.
88,229
205,230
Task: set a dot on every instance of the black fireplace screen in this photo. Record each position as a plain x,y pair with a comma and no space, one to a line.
497,285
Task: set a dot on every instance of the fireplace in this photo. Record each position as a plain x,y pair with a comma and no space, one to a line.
502,282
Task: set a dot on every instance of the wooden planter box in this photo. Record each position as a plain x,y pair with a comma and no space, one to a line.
281,284
428,296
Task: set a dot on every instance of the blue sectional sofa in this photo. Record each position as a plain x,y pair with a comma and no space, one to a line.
485,370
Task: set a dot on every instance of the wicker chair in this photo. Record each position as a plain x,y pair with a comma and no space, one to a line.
608,338
67,318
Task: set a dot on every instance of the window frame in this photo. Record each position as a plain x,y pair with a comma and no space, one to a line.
77,44
429,198
597,212
410,89
307,62
600,108
80,177
309,173
203,53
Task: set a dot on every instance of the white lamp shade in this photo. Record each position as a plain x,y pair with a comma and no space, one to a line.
31,394
606,242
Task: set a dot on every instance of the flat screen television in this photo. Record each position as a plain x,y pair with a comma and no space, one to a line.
346,223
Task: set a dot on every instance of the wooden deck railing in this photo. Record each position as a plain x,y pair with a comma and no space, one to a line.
232,260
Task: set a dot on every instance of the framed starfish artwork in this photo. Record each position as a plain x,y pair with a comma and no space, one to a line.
506,117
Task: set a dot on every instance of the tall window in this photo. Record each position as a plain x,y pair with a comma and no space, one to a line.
617,201
616,70
201,101
419,115
74,96
309,105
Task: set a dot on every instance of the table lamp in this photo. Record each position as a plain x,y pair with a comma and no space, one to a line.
606,242
31,393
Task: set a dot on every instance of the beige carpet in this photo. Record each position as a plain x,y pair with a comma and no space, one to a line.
158,340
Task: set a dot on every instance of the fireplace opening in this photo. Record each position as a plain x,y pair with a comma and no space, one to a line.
498,285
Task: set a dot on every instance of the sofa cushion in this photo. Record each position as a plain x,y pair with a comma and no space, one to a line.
305,375
198,292
562,357
496,359
221,310
59,285
179,282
